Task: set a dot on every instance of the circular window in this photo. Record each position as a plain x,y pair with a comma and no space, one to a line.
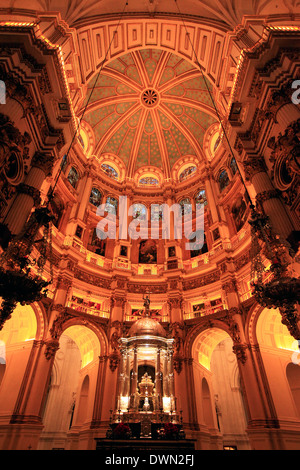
150,97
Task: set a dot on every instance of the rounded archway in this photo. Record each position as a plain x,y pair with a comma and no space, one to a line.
280,357
218,391
72,385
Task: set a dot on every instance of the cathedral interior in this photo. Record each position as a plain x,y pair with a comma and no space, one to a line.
149,224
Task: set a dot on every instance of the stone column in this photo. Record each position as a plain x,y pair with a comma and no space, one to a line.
158,384
99,411
287,114
175,304
117,307
166,375
84,196
122,373
134,377
127,374
28,192
267,196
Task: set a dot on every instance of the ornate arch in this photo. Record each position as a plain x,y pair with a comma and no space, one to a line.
64,321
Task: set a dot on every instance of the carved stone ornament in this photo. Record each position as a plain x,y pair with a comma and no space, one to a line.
239,350
51,348
44,162
57,327
230,286
30,191
252,166
266,196
177,363
114,360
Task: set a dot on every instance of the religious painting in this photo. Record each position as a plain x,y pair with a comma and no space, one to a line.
172,251
79,231
198,307
123,250
238,213
197,247
216,234
73,177
98,244
147,252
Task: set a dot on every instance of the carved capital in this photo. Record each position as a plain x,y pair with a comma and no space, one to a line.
118,301
175,302
239,350
30,191
51,348
252,166
230,286
58,324
114,360
63,283
266,195
44,162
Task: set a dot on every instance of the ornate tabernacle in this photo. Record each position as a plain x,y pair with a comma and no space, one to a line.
148,398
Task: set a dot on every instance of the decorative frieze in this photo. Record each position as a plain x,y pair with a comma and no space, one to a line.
201,281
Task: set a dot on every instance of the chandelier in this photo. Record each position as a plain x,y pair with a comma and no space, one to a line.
274,287
21,265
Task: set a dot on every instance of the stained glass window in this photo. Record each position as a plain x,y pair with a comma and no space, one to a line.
149,180
186,205
156,212
110,171
95,197
223,180
200,197
233,166
111,205
73,177
187,173
139,212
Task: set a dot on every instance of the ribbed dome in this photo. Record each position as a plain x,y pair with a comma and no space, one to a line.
147,326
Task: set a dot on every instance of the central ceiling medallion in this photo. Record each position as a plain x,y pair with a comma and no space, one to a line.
149,97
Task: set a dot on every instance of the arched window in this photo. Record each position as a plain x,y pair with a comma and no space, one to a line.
139,211
64,163
95,197
233,166
73,177
111,205
186,206
156,212
149,181
110,171
187,173
200,197
223,180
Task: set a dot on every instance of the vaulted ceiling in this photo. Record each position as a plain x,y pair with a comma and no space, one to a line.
230,12
149,107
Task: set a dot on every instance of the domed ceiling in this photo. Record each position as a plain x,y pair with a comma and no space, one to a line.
150,108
